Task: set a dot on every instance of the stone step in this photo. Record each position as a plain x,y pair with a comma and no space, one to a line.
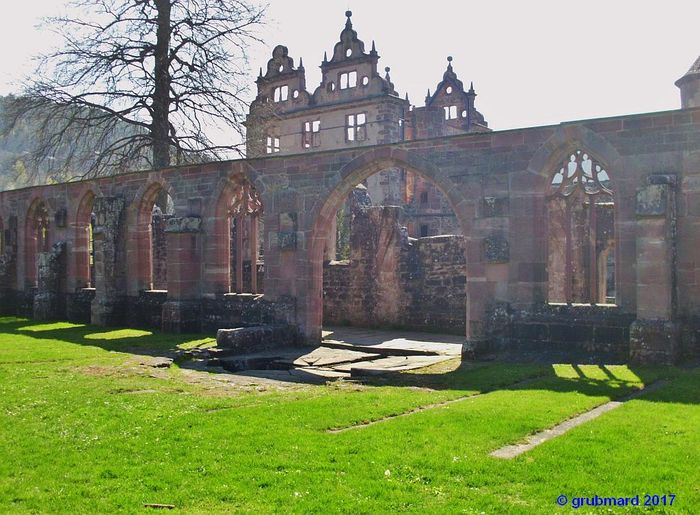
375,349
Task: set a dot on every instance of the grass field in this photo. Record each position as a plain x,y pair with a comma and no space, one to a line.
89,426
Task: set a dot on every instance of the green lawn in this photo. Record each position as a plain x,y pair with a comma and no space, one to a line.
86,427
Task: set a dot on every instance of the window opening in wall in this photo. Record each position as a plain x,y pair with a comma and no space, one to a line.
423,231
280,93
365,80
91,252
424,197
356,127
448,90
163,208
272,145
581,234
245,233
311,134
450,112
348,80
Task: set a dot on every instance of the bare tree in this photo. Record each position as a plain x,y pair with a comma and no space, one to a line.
137,83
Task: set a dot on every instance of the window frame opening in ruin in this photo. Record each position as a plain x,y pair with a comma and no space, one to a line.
354,129
450,112
37,239
272,144
2,236
322,260
347,80
311,133
156,205
245,237
280,93
84,247
582,249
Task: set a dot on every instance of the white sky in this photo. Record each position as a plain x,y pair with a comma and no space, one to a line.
533,62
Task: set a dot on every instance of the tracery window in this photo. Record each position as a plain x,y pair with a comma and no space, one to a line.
581,233
246,227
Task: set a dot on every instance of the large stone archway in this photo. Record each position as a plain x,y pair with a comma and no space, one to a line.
351,174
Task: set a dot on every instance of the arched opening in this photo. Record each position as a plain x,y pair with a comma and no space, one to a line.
84,248
154,210
581,233
387,278
245,232
37,239
235,252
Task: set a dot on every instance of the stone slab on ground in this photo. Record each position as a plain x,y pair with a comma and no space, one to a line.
391,364
374,340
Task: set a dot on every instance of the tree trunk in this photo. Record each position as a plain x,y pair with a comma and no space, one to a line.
161,91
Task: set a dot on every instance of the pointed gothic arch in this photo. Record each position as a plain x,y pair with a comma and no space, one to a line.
581,232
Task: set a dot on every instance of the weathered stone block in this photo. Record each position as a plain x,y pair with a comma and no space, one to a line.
183,224
652,200
253,339
496,249
654,342
494,206
181,316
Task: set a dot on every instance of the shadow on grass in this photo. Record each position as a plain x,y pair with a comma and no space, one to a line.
134,341
613,381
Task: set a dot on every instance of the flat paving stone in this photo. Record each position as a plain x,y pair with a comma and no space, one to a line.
324,357
446,344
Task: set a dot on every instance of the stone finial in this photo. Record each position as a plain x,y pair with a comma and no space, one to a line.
349,46
689,85
387,70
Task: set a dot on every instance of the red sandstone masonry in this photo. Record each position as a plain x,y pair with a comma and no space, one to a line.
311,184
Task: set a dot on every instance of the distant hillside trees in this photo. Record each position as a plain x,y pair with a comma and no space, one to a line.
138,84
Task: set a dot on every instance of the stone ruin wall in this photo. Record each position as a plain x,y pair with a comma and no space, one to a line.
393,281
497,184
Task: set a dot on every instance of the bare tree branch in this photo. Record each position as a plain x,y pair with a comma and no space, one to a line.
136,82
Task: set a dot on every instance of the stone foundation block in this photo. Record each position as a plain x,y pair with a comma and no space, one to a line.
253,339
182,317
47,306
654,342
107,312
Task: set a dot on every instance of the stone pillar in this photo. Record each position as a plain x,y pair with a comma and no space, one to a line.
654,335
107,306
51,272
181,312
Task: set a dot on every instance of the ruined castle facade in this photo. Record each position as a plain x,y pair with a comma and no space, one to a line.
580,235
354,106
